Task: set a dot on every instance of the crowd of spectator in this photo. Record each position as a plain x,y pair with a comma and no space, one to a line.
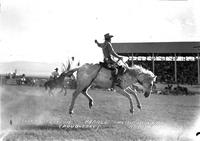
187,71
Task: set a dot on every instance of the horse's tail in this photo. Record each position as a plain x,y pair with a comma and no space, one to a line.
70,73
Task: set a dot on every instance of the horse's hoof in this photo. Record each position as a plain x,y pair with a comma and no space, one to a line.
90,104
131,111
139,107
71,112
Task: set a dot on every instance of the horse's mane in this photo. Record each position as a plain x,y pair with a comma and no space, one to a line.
140,70
62,74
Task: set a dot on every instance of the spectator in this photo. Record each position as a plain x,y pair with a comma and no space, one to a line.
186,71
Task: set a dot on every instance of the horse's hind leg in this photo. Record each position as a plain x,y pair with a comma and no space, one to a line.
74,96
84,92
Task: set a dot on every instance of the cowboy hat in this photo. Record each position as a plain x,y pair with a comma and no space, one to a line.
56,68
108,36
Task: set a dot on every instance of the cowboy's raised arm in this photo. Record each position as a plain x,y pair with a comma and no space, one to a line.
99,44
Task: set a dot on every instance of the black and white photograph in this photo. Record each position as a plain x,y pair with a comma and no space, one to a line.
99,70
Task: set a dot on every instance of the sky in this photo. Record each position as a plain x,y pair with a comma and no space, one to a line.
53,30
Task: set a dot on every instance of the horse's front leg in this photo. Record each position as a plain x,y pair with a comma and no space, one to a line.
134,93
126,94
65,91
61,90
50,92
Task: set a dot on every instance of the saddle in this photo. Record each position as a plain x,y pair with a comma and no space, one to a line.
113,67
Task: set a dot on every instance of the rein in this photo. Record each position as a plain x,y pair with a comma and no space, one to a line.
96,74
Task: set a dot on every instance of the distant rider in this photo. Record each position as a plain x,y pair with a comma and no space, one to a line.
55,74
108,52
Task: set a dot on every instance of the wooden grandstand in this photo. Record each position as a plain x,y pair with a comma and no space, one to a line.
159,51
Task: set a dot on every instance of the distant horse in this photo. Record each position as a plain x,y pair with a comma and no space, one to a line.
56,83
20,79
90,74
30,81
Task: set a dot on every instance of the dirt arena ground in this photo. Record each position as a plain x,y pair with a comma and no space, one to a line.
28,113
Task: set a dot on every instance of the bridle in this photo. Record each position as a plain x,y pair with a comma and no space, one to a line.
141,83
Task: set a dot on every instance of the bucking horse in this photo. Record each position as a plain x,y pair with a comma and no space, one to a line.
89,74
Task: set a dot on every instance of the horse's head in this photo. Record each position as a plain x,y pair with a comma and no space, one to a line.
147,82
144,78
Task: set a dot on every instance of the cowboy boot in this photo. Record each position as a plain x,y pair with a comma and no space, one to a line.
114,78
